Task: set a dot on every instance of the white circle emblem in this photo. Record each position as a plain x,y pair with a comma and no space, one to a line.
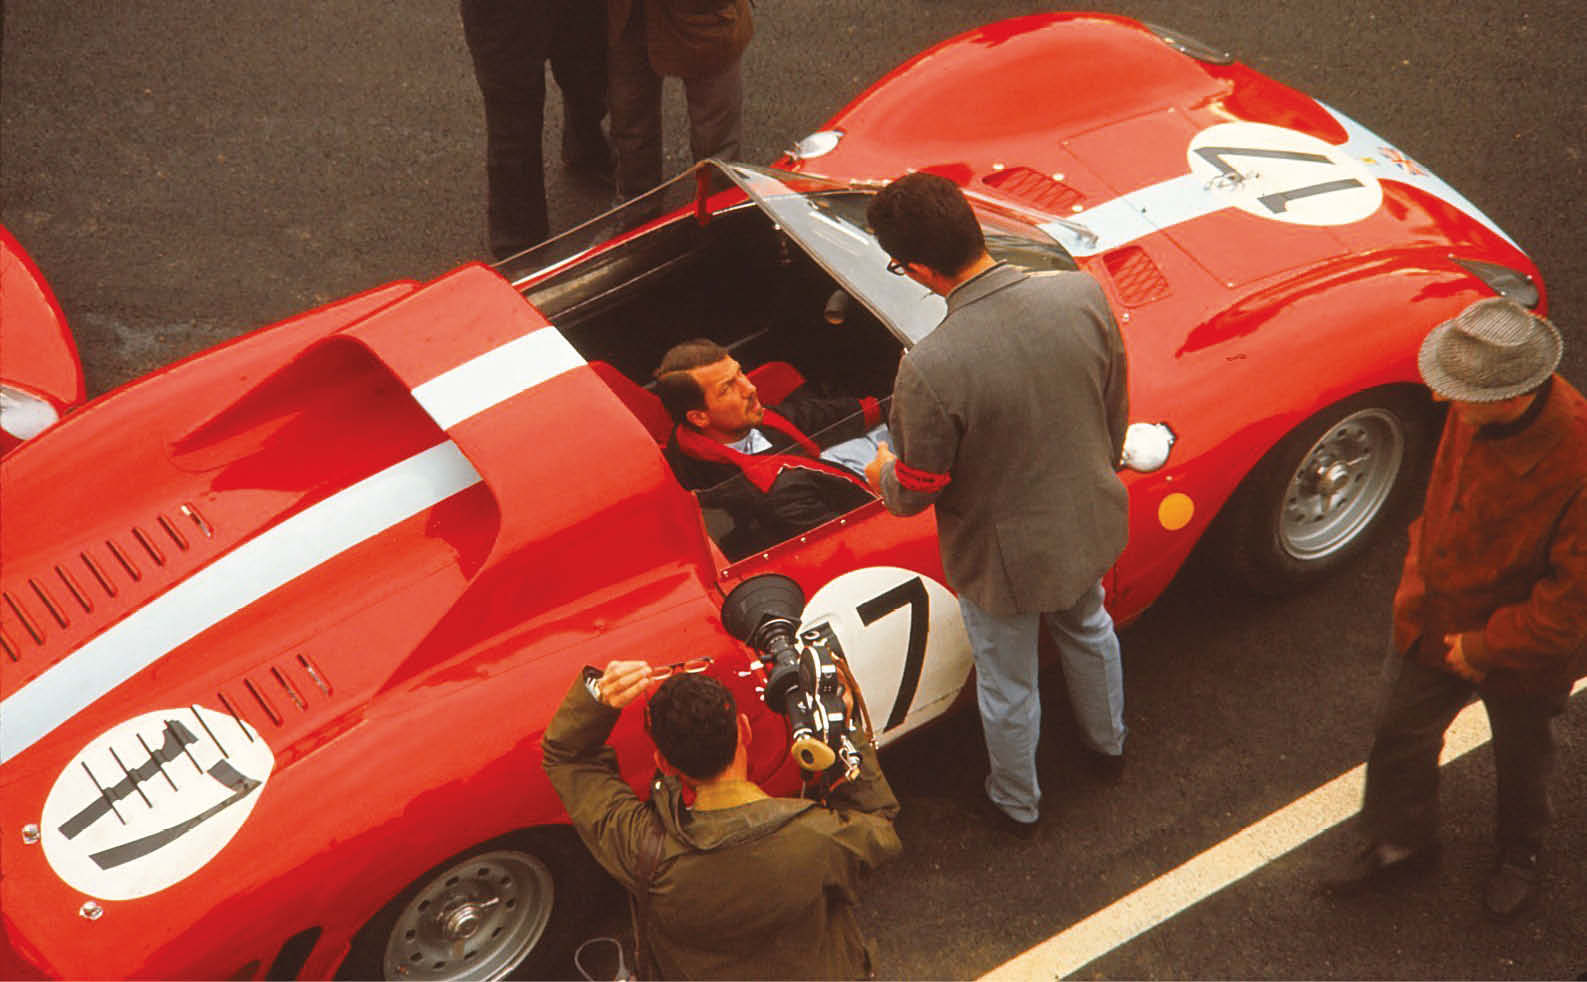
1283,175
904,637
150,801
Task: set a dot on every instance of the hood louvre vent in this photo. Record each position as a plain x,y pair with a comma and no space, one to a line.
277,685
78,586
27,622
75,590
1138,279
1035,188
49,603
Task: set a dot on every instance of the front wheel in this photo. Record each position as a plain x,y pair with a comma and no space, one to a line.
480,915
1320,497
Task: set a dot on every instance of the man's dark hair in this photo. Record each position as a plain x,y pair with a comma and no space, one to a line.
924,218
677,389
694,720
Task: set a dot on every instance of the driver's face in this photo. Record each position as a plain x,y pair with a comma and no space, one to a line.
732,405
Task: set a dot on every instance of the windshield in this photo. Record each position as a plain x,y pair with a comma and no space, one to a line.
828,220
825,217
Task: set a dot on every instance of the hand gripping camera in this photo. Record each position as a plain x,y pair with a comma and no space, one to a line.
805,675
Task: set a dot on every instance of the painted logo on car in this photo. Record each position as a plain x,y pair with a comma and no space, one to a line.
1283,175
152,800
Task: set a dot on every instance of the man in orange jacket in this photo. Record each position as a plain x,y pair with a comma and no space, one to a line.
1493,597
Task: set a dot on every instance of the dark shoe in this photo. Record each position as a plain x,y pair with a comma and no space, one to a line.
597,165
1004,822
1107,768
1513,883
1376,864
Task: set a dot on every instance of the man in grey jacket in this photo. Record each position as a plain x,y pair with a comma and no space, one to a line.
1010,418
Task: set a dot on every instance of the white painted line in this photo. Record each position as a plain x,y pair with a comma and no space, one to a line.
1227,862
495,376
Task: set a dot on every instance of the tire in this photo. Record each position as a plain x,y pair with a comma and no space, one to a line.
509,906
1323,493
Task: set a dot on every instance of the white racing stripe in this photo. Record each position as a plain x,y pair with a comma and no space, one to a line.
289,550
498,374
252,570
1232,859
1161,206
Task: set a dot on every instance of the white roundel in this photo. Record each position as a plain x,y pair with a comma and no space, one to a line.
150,801
903,636
1283,175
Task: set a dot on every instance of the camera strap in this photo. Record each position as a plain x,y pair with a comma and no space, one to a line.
654,838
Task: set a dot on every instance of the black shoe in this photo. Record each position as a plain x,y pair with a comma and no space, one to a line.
598,164
1004,822
1107,768
1378,863
1513,883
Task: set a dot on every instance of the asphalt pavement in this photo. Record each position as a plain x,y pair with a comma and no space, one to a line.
184,172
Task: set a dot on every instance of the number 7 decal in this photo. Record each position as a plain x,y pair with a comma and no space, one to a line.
1277,201
913,594
1289,176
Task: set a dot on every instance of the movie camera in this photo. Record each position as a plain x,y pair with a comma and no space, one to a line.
806,673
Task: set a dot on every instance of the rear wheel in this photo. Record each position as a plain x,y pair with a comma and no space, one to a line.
513,901
1320,497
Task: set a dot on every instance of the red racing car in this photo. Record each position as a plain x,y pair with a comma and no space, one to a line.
40,376
277,666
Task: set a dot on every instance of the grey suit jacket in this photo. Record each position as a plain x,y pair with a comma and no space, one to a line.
1009,417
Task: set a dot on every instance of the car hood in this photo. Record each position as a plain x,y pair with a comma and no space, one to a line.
283,525
1121,140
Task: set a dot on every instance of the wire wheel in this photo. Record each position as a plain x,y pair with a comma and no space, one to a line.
476,919
1342,484
1322,494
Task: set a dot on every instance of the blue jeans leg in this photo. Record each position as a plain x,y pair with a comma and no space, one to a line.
1088,649
1010,702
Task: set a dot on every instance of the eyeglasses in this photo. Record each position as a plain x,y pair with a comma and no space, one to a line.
896,268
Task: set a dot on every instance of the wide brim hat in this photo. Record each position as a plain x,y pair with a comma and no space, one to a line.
1494,349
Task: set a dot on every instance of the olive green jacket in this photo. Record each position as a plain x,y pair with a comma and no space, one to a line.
763,890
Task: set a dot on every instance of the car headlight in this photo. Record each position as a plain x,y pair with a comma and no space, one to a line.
1187,45
1504,281
1146,446
24,415
817,144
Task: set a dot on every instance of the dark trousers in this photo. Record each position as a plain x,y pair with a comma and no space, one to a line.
715,103
1419,703
510,42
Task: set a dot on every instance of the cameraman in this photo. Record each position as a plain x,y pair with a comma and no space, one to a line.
739,884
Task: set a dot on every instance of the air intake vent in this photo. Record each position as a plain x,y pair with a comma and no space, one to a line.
272,692
1138,279
1035,188
73,589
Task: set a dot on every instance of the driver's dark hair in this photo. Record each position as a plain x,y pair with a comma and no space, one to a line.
677,389
924,218
693,719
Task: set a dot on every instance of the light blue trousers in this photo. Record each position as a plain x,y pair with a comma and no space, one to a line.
1007,690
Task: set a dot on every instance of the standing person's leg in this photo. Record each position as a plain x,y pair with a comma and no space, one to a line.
1399,808
716,113
578,63
1010,703
1524,755
1400,805
1088,648
507,40
633,95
